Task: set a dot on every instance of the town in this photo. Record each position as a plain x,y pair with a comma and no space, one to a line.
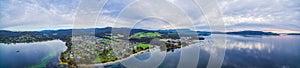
94,50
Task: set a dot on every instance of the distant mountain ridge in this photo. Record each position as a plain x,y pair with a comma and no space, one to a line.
293,34
107,30
65,34
249,32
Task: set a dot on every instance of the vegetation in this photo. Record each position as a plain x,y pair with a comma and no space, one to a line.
143,46
104,59
146,35
106,56
64,35
109,42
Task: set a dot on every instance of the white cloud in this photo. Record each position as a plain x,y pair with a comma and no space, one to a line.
142,9
23,15
280,13
56,14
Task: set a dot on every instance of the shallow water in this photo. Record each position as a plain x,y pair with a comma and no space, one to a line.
36,54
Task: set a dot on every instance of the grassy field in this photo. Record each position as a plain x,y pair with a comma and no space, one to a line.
143,46
144,35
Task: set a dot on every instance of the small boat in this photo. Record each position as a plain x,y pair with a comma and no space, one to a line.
17,51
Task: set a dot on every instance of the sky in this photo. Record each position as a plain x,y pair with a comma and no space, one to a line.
280,16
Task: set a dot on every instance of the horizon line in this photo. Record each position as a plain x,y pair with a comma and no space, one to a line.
138,28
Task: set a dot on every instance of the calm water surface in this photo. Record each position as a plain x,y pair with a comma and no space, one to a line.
36,54
241,52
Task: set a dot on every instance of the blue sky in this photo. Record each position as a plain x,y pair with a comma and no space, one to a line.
266,15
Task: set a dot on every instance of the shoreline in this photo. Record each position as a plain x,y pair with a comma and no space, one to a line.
112,62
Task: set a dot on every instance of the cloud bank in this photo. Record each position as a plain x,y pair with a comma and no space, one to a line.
266,15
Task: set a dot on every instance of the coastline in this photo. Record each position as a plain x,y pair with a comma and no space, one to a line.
112,62
116,61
